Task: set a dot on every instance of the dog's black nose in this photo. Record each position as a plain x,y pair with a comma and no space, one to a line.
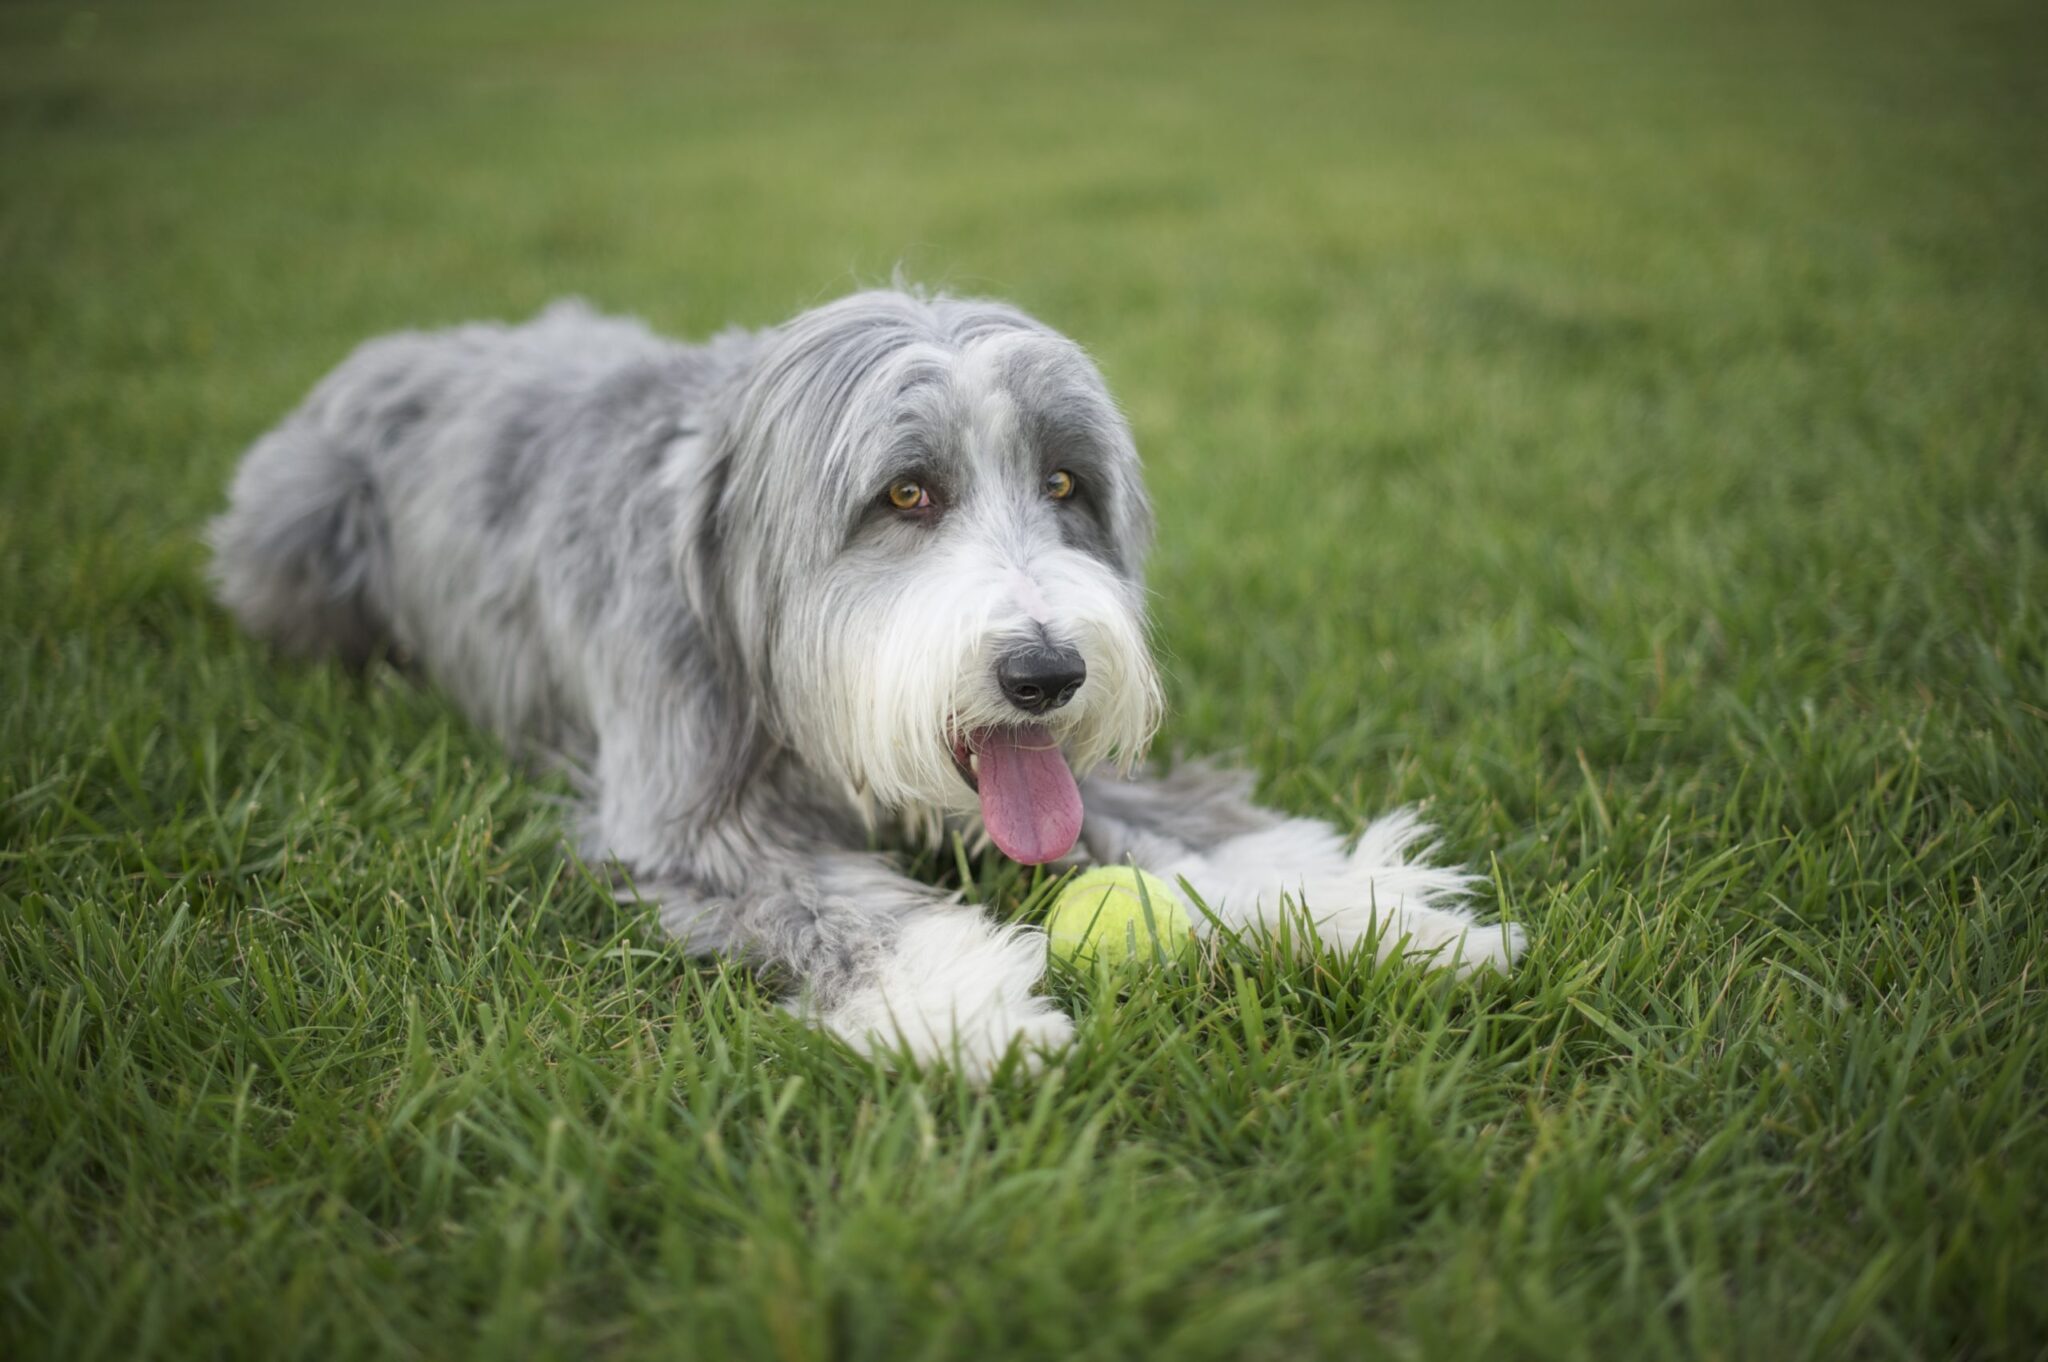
1039,678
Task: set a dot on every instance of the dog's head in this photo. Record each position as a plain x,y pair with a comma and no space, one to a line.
919,541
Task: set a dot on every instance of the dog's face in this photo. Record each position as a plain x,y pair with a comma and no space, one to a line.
929,514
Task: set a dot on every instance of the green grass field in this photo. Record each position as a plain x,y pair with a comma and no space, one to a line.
1622,428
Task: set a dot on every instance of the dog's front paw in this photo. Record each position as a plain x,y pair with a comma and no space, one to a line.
955,989
1439,935
1384,890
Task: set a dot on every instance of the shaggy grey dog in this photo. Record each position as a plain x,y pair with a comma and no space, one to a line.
871,575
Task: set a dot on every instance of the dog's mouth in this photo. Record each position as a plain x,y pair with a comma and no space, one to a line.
1029,801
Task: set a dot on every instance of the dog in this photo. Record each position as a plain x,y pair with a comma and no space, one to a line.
870,578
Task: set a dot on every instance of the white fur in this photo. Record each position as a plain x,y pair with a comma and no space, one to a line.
955,989
1416,909
917,668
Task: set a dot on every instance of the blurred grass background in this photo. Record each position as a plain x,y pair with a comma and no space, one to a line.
1622,426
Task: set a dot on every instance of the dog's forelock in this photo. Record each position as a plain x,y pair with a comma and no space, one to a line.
885,384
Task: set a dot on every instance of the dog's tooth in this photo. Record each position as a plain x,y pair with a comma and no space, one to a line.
974,762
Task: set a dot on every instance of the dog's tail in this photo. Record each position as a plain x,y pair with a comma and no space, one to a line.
301,555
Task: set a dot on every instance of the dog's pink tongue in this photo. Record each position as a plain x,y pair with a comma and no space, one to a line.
1029,802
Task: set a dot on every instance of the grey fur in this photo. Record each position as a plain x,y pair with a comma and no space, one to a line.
662,561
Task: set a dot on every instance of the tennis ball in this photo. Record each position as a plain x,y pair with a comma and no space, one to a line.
1116,913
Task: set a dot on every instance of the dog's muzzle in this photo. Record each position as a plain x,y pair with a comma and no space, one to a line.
1030,803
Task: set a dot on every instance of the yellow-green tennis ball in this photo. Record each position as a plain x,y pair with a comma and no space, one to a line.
1103,915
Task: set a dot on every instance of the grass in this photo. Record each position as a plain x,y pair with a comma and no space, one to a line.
1622,428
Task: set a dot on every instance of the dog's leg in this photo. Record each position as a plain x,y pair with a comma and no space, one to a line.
1199,823
881,961
885,963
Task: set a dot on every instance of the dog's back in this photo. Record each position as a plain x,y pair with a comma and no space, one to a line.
403,484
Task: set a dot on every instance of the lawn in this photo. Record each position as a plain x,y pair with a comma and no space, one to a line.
1621,428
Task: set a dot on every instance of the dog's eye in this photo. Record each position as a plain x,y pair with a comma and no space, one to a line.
1059,484
906,495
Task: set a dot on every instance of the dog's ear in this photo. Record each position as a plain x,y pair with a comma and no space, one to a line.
1131,516
705,484
731,663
